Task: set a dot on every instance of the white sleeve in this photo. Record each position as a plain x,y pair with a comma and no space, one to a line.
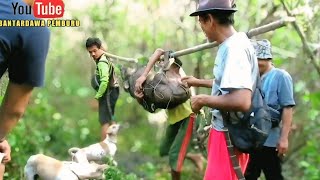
238,70
182,73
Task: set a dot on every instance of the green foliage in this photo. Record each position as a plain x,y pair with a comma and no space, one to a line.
114,173
311,162
143,60
63,114
43,130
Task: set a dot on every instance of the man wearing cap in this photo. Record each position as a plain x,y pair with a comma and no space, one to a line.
235,70
278,89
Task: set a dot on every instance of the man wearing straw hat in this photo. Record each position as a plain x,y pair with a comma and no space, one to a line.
235,70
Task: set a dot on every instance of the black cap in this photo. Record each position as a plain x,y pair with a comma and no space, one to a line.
206,6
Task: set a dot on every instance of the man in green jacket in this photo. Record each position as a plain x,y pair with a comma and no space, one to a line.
105,83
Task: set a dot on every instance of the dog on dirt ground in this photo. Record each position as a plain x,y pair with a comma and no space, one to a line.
48,168
98,151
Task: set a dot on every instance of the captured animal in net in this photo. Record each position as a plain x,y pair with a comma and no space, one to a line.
160,90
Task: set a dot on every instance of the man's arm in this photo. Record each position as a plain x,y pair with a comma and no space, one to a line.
286,117
236,100
103,70
152,61
191,88
192,81
286,100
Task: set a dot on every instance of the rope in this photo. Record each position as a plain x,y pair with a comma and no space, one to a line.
160,96
75,173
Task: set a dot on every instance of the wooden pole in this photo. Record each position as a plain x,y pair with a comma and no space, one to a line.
253,32
131,60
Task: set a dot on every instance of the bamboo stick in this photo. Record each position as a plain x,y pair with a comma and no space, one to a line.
253,32
132,60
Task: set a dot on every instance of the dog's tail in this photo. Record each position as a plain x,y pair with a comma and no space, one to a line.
72,151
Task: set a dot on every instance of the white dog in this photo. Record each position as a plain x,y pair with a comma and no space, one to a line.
49,168
97,152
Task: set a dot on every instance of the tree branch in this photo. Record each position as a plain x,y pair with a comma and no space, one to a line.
303,39
270,15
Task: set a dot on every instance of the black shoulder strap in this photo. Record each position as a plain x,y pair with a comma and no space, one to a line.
233,156
109,63
230,147
256,86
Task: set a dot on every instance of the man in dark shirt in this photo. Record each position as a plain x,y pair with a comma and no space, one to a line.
23,52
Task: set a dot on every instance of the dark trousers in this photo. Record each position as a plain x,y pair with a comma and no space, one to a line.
176,142
107,104
266,160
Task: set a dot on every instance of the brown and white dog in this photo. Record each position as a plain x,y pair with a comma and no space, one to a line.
49,168
97,152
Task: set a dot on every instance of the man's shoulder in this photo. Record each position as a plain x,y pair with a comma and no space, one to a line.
238,38
240,49
238,42
104,62
104,59
281,73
